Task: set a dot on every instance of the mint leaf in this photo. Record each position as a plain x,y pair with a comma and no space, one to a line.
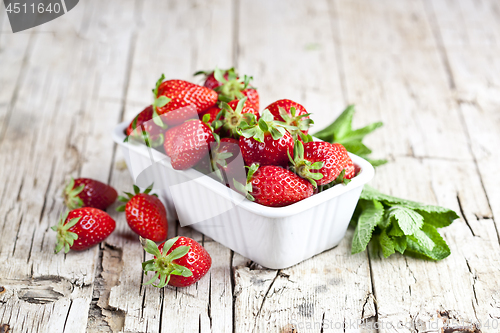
372,213
399,244
386,244
408,220
340,131
422,240
440,250
395,230
434,215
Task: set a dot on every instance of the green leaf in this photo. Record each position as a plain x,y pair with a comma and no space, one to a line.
181,270
339,128
408,220
386,244
179,252
372,213
399,244
150,247
422,240
434,215
162,101
440,250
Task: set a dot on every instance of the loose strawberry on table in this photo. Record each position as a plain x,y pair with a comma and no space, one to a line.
86,192
179,262
322,162
274,186
267,142
82,228
145,213
188,144
230,86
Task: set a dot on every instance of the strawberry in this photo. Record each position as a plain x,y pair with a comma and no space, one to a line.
234,114
179,100
225,163
82,228
144,127
322,162
189,144
266,143
291,113
212,113
230,86
169,138
86,192
274,186
179,262
145,213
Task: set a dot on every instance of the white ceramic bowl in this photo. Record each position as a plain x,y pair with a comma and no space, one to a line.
272,237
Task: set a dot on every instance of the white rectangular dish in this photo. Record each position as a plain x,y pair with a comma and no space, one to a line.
272,237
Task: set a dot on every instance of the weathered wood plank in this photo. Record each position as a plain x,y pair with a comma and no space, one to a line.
49,136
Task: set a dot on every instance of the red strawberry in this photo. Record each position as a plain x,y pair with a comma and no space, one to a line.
145,213
274,186
291,113
322,162
267,143
86,192
212,113
144,123
179,100
82,228
234,113
230,86
190,144
179,262
169,138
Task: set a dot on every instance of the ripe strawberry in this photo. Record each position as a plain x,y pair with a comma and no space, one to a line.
179,100
274,186
212,113
267,143
179,262
145,214
86,192
169,138
190,143
291,113
230,86
322,162
144,127
82,228
234,114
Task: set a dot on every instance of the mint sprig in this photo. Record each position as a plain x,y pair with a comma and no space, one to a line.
340,131
405,226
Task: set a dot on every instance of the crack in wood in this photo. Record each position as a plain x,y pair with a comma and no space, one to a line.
264,299
463,215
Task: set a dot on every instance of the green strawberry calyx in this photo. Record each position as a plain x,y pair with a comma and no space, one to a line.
247,188
65,238
302,123
232,120
266,124
302,167
129,196
230,88
158,102
142,133
218,160
70,194
163,264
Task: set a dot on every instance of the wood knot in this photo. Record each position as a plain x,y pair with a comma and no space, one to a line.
2,290
4,328
290,328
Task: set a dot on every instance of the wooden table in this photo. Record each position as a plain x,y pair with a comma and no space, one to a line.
429,69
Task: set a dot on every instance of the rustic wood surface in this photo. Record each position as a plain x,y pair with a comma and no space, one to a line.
429,69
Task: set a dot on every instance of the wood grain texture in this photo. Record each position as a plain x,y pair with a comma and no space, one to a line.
428,69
